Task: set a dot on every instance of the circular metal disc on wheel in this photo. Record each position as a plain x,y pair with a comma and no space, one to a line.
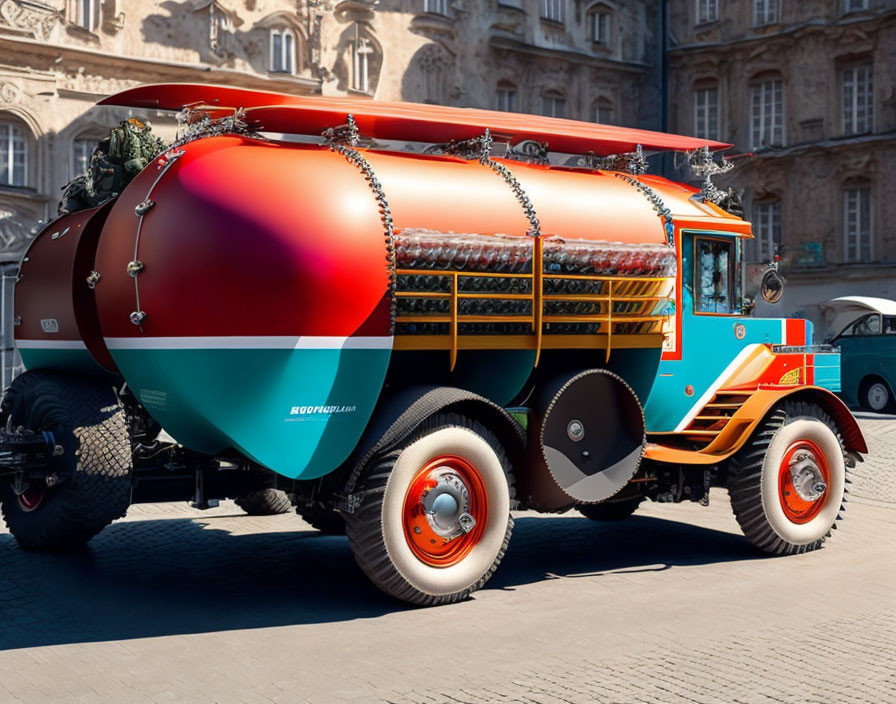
593,435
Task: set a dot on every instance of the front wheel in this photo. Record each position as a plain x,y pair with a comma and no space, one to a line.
788,486
434,520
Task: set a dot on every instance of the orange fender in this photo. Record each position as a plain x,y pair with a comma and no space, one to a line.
742,425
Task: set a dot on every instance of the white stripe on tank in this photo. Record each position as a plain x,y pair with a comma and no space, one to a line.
51,345
272,342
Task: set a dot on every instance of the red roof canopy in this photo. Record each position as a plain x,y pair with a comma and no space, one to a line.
294,114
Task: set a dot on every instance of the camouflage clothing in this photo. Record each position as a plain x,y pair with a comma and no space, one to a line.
117,159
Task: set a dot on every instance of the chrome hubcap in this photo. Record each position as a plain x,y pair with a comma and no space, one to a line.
806,476
447,506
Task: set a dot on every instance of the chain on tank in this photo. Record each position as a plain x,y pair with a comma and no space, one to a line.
481,148
345,140
658,205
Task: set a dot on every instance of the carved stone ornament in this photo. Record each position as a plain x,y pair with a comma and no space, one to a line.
9,93
82,82
34,18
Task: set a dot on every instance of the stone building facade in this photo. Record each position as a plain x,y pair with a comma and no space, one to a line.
809,88
583,59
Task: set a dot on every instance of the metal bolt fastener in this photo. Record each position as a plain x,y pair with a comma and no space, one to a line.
144,207
138,316
135,267
93,279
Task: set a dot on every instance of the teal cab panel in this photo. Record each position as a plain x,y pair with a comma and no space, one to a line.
709,337
868,358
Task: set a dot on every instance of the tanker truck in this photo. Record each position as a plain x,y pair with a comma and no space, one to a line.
407,321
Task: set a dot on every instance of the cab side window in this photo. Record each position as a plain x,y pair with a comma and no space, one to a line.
714,285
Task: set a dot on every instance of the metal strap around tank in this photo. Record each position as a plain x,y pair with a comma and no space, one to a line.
481,148
135,266
191,129
658,205
345,140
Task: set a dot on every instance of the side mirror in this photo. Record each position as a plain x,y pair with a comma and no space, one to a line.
771,286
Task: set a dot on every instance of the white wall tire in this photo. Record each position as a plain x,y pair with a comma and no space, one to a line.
771,512
395,557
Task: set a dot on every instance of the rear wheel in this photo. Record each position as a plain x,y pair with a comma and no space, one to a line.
611,510
788,487
84,418
434,520
264,502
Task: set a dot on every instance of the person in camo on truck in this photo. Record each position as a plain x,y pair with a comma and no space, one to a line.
409,342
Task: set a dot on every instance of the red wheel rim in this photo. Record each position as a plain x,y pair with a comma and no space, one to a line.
797,508
428,543
32,497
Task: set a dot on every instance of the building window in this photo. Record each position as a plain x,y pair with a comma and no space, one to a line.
766,232
858,100
706,113
854,5
82,150
765,12
857,242
552,10
88,14
505,97
361,51
436,7
707,11
603,111
768,113
600,26
554,104
13,155
283,51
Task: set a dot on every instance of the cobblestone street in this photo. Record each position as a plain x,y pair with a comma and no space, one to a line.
176,605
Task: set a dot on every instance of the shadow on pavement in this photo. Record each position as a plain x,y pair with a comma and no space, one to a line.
162,577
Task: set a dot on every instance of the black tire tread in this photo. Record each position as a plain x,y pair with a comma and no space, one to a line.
745,479
264,502
364,526
91,425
